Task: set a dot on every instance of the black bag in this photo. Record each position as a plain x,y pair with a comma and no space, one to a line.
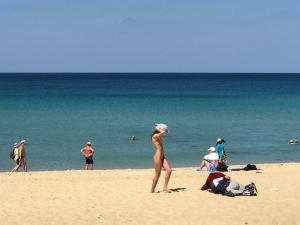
250,190
250,167
12,154
222,167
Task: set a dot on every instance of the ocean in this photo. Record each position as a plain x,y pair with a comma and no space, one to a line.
58,113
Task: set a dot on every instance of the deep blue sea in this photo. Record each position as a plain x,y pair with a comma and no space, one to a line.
58,113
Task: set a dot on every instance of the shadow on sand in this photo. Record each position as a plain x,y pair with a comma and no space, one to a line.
241,169
172,190
177,189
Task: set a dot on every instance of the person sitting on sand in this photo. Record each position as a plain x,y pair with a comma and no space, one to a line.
159,157
219,183
20,159
210,161
88,153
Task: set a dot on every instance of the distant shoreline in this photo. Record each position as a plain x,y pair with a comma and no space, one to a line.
112,75
236,166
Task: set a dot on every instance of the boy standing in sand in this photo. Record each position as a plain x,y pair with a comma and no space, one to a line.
88,153
159,158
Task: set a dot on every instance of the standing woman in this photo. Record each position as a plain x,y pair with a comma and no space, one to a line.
220,149
159,157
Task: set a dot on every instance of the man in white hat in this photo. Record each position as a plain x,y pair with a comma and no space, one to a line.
159,157
210,161
88,153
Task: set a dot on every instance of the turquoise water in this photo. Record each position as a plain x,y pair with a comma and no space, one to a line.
57,113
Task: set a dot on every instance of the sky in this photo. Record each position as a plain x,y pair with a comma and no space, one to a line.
150,36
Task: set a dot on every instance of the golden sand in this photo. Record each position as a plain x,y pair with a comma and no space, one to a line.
122,197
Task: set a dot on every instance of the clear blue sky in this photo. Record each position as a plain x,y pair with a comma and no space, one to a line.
149,36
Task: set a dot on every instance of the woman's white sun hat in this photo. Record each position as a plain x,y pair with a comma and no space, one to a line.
162,126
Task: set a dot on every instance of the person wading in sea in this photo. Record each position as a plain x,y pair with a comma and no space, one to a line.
159,157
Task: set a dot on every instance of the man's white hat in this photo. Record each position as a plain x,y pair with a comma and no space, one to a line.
213,149
219,139
88,143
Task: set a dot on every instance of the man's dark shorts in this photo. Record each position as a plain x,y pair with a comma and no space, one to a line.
89,160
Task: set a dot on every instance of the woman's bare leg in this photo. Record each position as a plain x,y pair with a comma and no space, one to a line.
157,168
168,169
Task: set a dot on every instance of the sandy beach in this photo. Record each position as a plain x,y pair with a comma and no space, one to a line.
122,197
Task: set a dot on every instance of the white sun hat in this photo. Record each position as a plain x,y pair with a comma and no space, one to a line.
162,126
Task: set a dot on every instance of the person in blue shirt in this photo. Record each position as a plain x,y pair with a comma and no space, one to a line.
220,149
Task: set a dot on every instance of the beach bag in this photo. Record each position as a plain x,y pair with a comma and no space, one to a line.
12,154
222,167
250,167
250,190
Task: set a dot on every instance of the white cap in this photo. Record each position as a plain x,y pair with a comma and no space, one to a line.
219,139
213,149
162,126
88,143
